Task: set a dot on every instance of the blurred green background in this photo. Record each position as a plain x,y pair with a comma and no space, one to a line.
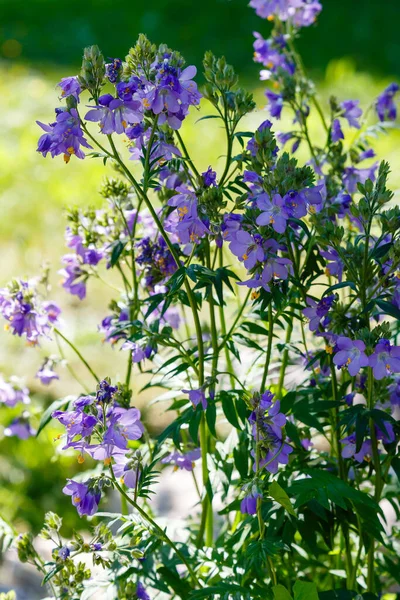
353,52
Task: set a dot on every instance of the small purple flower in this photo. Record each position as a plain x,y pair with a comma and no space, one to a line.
352,176
46,374
352,112
337,133
70,87
184,460
141,593
20,427
127,471
114,115
275,104
385,359
12,392
385,105
334,264
85,496
350,446
209,177
63,553
394,390
138,353
197,397
65,136
277,455
273,212
350,354
317,311
247,248
74,277
123,425
113,70
76,423
249,503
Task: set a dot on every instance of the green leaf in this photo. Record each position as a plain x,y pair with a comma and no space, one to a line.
228,406
117,249
280,496
388,309
305,591
281,593
179,585
338,286
60,404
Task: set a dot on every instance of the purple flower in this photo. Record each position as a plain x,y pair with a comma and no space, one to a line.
334,265
386,435
141,592
301,12
12,392
350,354
350,445
105,391
20,427
127,471
352,176
184,460
385,359
249,503
273,212
113,70
63,553
336,133
352,112
317,311
385,105
85,496
197,397
114,115
185,221
70,87
266,52
247,248
46,374
394,390
65,136
275,104
277,455
76,423
123,425
138,353
209,177
275,268
74,276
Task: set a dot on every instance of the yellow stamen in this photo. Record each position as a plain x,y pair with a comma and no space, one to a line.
81,459
255,294
107,461
328,349
245,256
270,18
124,124
348,361
67,158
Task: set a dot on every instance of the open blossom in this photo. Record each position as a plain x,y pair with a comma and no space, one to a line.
70,87
352,112
183,460
114,115
352,176
185,220
197,397
20,427
85,496
334,264
385,105
301,12
385,359
350,354
74,277
267,53
350,448
316,311
64,136
248,248
123,425
273,212
12,392
46,374
25,312
125,469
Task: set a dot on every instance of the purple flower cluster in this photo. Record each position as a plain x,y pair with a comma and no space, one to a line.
74,272
267,428
98,426
185,460
64,136
185,220
302,13
385,105
156,260
317,312
25,312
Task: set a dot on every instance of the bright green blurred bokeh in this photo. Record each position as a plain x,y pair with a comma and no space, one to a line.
46,40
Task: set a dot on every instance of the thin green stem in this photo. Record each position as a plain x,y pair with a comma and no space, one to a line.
157,528
269,347
285,358
75,349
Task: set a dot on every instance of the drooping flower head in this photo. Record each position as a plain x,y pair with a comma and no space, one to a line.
385,105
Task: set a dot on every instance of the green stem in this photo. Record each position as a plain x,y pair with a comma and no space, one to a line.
285,358
71,345
157,528
269,347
